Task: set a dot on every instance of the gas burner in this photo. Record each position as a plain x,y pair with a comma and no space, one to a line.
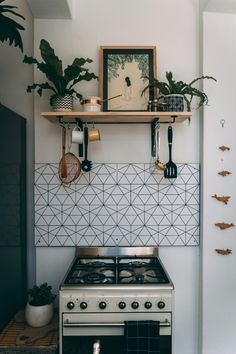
137,264
93,278
96,264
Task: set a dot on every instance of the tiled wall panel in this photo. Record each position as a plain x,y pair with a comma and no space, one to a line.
117,205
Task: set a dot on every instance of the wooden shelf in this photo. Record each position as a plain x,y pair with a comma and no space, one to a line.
117,117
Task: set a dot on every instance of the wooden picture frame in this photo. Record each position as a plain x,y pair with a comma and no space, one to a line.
124,73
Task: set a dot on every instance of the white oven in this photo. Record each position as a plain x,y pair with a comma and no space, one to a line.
99,311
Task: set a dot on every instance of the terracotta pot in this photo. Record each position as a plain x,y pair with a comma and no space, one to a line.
38,316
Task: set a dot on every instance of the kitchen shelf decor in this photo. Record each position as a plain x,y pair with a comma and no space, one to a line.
222,198
224,173
117,117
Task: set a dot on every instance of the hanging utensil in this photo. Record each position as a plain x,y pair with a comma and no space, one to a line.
159,165
62,165
171,168
72,163
86,165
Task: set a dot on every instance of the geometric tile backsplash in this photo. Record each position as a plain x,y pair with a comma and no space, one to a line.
117,205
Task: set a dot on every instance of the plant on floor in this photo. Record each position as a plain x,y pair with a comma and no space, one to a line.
172,87
41,295
9,29
61,82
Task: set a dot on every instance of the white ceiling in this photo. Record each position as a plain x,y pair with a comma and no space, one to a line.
228,6
50,9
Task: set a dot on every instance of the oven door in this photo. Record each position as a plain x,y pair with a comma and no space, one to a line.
79,331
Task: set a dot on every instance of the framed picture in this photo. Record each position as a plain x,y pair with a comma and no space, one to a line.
124,73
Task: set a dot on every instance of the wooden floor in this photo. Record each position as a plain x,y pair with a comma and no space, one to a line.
12,333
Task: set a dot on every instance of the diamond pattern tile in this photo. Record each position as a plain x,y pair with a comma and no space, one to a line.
117,205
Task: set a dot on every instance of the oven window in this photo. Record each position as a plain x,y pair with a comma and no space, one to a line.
84,345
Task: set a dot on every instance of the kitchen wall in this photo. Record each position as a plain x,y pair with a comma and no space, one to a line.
218,272
152,22
14,78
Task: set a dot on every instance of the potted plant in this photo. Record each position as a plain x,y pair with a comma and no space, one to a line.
39,309
9,29
61,82
176,92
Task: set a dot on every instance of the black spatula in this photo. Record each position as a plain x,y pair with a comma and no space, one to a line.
171,168
86,165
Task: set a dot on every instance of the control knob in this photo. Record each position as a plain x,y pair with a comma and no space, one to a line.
148,305
83,305
122,305
102,305
161,304
70,305
135,305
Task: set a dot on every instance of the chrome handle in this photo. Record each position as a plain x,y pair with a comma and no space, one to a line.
104,324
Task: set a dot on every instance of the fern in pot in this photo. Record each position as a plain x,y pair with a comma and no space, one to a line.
175,93
60,82
39,309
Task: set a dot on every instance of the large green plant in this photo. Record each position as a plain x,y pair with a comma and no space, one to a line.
41,295
181,88
61,82
9,29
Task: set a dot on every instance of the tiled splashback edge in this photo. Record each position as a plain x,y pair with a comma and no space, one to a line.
117,205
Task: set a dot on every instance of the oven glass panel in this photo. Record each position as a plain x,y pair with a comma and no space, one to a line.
108,345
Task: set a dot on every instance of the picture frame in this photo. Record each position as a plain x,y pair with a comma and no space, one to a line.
124,72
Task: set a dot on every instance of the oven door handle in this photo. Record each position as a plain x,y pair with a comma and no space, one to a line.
68,324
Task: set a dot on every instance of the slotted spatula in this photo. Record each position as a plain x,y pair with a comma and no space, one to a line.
171,168
86,165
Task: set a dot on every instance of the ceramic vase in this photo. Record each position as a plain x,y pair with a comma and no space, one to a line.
62,103
175,103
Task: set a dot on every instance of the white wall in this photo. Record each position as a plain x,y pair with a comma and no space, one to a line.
14,77
219,274
149,22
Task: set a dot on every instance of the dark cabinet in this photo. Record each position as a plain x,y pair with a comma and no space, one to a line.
13,278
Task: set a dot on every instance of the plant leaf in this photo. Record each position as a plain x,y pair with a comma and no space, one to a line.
48,55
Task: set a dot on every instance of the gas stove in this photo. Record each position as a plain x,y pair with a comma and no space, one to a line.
104,287
116,270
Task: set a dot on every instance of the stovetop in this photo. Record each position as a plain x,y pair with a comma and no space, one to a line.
121,270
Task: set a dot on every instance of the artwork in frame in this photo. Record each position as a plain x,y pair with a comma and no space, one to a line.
124,73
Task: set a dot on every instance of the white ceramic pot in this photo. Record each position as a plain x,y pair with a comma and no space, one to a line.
38,316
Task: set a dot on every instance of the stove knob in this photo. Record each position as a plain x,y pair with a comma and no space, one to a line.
70,305
148,305
122,305
102,305
83,305
161,304
135,305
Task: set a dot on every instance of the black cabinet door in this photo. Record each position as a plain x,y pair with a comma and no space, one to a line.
12,213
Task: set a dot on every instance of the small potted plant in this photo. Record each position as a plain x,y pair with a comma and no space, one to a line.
39,309
9,29
175,93
61,83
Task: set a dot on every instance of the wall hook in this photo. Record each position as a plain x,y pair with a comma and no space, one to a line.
222,122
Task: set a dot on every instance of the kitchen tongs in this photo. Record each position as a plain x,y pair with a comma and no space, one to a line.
171,168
